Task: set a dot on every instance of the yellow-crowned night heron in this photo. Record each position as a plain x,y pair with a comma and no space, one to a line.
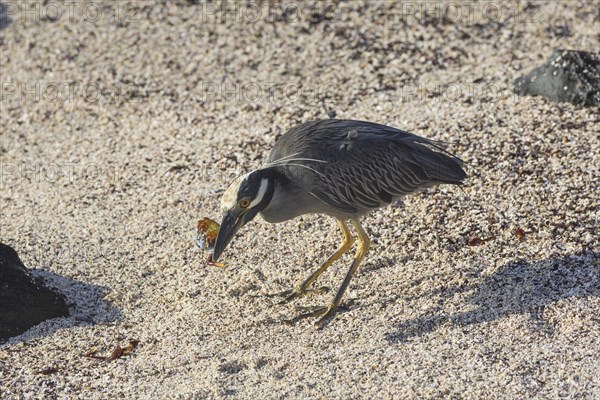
341,168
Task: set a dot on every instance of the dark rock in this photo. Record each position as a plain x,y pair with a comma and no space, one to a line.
24,300
568,75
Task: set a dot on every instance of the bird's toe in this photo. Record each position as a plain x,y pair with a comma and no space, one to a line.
324,312
298,292
327,314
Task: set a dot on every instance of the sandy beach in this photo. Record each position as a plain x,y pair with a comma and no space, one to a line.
122,124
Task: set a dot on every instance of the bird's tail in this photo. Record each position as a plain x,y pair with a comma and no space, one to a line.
440,165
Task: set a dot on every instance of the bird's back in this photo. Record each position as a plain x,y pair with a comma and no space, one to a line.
354,166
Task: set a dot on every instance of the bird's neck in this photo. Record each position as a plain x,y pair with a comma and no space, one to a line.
283,201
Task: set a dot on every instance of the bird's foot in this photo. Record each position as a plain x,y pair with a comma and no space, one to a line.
299,292
324,312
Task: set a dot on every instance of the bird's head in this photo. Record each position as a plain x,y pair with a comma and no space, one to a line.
244,198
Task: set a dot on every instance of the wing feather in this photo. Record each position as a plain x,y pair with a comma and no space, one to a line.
363,169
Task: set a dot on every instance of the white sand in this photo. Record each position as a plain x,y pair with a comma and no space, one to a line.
101,193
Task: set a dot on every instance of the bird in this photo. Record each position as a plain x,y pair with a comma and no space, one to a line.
341,168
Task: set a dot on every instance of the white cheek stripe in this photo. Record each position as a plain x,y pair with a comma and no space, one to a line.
261,192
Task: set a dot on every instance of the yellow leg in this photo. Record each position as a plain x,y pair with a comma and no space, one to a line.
303,288
326,312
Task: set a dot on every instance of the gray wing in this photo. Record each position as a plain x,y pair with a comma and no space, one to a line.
361,164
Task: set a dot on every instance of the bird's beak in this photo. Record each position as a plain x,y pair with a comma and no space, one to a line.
232,222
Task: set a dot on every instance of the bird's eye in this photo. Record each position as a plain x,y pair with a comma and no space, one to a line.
245,202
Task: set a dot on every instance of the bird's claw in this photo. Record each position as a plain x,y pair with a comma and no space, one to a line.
324,312
299,292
